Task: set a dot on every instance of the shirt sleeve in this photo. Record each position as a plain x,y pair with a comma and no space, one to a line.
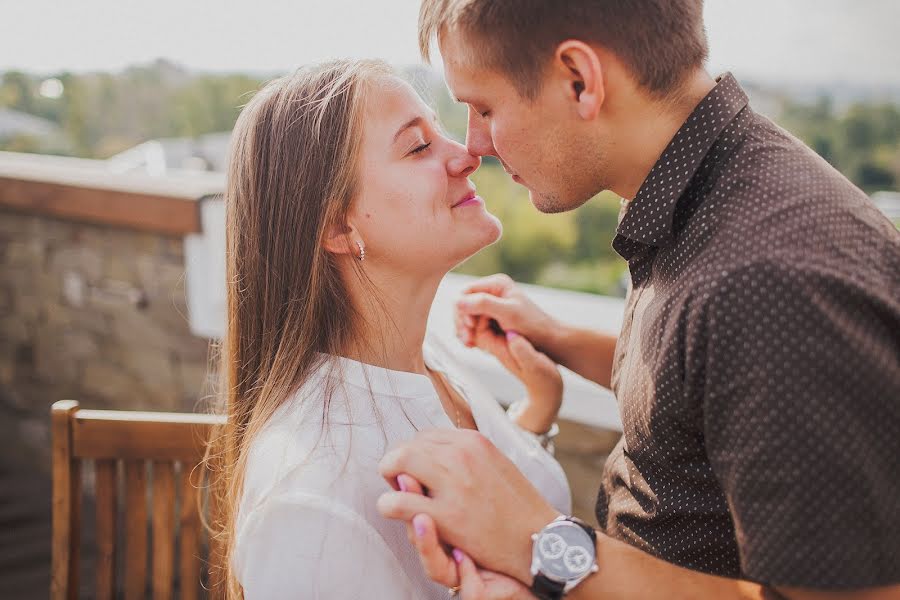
801,416
306,546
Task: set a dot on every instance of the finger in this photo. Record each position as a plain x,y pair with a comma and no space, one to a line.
409,484
495,284
425,458
496,345
463,331
521,350
463,320
480,303
471,585
437,564
402,505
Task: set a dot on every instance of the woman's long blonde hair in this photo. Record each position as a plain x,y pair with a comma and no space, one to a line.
291,177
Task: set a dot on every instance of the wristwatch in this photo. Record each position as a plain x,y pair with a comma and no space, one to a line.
544,439
563,554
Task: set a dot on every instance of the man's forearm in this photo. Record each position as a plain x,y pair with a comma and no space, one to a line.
627,572
585,351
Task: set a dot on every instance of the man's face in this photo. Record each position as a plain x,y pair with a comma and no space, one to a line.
542,143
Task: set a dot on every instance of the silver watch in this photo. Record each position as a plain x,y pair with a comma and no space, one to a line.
563,555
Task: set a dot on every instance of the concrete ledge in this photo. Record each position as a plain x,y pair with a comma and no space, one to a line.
87,190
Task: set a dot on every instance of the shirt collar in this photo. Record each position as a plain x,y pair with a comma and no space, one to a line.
388,382
649,217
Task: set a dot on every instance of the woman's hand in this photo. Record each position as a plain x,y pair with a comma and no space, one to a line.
534,369
479,584
455,568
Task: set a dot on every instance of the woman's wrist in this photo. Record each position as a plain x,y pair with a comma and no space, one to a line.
533,417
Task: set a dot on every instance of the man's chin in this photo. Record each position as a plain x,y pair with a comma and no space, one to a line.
547,203
551,203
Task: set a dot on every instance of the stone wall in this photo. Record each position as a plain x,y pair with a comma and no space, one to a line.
96,313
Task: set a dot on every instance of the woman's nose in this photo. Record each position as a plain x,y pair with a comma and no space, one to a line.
461,163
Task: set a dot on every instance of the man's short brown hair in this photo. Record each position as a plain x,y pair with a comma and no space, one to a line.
659,41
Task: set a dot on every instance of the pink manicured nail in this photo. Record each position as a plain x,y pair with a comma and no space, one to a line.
402,485
510,334
419,525
458,555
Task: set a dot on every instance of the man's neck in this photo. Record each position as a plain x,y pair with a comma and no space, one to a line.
647,126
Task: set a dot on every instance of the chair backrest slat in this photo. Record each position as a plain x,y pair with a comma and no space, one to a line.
66,521
107,506
189,524
138,440
163,529
135,529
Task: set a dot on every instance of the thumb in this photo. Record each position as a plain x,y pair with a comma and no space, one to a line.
521,350
470,583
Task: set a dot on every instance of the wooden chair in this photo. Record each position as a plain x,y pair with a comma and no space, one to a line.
124,446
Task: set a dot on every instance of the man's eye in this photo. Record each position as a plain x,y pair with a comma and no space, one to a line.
485,114
421,148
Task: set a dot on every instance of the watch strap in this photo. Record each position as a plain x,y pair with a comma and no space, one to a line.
547,589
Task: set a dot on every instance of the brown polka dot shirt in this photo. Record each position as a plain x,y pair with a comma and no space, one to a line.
758,368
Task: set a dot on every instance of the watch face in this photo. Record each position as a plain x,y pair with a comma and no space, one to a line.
564,551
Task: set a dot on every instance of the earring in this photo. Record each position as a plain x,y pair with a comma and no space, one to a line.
362,251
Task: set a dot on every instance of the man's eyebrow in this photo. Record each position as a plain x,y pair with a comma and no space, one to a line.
413,122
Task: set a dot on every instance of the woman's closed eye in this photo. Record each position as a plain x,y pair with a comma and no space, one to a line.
420,148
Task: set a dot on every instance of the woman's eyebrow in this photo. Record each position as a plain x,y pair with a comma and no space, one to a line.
413,122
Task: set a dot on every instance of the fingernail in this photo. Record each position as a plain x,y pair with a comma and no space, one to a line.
458,555
510,334
402,485
419,525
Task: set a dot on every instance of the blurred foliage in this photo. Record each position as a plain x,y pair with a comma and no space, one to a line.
101,114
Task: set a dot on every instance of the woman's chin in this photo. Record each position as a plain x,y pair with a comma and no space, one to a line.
485,235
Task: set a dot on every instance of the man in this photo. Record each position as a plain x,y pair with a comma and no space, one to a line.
758,368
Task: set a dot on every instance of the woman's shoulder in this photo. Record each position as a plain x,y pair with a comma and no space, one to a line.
324,439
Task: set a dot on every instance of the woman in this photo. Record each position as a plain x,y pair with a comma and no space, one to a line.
346,206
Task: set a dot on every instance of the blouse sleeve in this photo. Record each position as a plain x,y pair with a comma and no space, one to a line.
307,546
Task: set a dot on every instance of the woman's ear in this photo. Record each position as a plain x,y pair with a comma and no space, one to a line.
583,75
342,239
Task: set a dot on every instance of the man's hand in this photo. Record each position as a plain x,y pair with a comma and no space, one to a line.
478,499
497,297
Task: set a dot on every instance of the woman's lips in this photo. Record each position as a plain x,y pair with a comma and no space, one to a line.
468,199
470,202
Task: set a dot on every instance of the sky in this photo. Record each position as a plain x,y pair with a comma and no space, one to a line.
804,41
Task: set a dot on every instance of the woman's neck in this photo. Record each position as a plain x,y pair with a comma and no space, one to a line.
393,314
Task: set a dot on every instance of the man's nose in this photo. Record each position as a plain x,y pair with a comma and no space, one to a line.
478,136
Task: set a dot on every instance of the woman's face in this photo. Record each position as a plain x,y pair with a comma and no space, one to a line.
416,210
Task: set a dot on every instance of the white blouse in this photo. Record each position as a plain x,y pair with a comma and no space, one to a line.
307,524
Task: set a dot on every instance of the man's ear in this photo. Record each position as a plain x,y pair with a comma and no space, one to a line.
583,75
341,239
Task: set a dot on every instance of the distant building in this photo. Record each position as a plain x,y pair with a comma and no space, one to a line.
203,153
